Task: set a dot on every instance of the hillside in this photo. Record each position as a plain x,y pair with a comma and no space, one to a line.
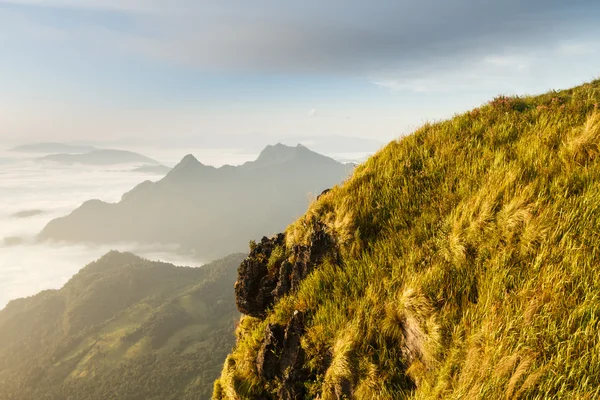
101,157
122,328
460,262
212,211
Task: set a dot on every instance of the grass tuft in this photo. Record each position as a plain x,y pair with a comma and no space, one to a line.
469,263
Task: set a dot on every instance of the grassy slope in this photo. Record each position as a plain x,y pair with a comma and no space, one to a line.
470,263
122,328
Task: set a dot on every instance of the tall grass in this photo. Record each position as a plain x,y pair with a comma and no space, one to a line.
470,263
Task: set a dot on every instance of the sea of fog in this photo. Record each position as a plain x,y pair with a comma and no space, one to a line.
28,267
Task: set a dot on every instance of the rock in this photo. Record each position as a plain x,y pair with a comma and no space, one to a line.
267,361
260,285
254,287
291,362
268,273
281,357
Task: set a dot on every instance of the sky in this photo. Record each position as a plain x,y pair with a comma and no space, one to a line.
186,71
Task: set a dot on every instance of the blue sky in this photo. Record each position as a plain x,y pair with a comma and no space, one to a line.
111,69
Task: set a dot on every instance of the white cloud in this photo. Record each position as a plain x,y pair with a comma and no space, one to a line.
339,37
578,48
512,73
519,63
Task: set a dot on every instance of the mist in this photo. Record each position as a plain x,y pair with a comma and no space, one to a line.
34,193
51,190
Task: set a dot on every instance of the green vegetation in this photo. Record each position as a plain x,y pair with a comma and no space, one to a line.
122,328
468,265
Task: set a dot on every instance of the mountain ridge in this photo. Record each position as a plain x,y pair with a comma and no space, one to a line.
210,211
457,262
52,147
116,324
101,157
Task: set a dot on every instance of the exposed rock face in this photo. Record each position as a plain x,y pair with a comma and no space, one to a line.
268,356
282,357
269,274
254,287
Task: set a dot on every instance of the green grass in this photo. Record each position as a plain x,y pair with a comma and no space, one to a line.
470,263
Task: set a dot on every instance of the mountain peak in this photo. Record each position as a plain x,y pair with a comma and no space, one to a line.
279,153
187,162
190,159
188,166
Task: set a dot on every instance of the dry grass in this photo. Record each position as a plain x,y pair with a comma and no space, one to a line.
470,262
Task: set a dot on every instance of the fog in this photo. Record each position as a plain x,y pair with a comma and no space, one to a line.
27,267
54,190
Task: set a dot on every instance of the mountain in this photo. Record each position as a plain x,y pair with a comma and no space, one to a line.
101,157
212,211
50,148
122,328
153,169
27,214
460,262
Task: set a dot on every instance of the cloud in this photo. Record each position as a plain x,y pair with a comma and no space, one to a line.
335,37
579,48
518,71
104,5
312,112
30,267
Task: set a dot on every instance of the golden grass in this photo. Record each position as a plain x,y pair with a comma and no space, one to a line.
470,263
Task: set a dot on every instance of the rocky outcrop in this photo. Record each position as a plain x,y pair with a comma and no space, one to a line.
255,285
271,271
281,357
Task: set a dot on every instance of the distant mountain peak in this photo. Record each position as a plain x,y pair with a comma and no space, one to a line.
188,162
279,153
190,159
188,165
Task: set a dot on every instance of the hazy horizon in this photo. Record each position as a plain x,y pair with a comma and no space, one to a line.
375,199
56,190
223,80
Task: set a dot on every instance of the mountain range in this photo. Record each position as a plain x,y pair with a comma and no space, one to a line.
49,148
211,211
101,157
459,262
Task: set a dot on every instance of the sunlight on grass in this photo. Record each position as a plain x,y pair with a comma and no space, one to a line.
469,264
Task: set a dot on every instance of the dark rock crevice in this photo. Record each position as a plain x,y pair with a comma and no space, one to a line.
270,272
265,276
281,358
